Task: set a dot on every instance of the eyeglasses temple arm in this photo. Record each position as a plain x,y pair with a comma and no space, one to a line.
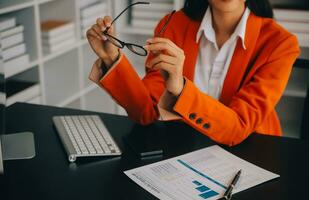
165,25
133,4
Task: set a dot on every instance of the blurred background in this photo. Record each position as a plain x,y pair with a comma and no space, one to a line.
47,59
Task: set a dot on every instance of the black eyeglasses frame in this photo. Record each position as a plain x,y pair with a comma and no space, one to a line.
131,46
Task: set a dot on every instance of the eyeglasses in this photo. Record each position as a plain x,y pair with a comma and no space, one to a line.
137,49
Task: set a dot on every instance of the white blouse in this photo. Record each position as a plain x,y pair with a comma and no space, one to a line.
213,63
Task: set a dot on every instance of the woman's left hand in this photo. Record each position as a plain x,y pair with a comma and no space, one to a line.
169,58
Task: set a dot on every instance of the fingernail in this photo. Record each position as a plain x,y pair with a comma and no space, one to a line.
104,38
149,40
146,47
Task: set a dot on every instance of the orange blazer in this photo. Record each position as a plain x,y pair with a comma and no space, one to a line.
246,104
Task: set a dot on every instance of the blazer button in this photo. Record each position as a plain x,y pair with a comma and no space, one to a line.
192,116
199,121
206,126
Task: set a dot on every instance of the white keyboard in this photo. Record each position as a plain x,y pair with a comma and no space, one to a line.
85,135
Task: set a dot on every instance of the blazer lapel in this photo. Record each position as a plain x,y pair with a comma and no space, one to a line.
241,59
190,47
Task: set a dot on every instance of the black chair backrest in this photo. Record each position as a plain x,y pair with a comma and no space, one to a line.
305,120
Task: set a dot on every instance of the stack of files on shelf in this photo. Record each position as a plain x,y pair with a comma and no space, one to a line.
13,48
148,16
90,10
21,91
85,3
56,35
296,21
6,23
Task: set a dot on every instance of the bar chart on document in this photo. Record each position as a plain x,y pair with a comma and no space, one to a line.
203,174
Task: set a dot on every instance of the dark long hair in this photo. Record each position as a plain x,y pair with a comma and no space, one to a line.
195,9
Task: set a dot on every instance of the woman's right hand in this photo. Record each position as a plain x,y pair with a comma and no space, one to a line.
99,43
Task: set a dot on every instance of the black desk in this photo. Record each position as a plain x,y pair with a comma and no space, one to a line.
50,176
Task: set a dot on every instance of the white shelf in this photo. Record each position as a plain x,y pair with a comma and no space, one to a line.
7,6
136,31
9,73
89,89
77,95
35,100
77,104
298,83
24,95
88,58
59,53
83,42
295,93
98,100
65,50
44,1
61,77
69,100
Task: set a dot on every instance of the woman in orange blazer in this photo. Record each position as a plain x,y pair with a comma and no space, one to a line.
255,80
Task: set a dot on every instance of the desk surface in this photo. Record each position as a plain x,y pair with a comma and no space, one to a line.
50,176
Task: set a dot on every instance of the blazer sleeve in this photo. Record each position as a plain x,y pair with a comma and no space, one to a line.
139,97
231,124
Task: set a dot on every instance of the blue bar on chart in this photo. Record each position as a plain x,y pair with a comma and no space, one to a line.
202,188
197,183
208,194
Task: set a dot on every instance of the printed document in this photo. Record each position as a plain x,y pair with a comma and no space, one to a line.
202,174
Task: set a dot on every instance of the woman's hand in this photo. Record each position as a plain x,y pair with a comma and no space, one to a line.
99,43
169,58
